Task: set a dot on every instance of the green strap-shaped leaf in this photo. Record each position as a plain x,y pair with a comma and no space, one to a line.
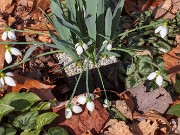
91,26
72,9
108,23
111,53
116,16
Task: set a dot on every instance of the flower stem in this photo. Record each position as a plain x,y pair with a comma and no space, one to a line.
23,61
87,74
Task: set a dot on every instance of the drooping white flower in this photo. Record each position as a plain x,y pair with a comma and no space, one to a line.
68,113
105,42
109,47
8,34
80,46
90,106
162,50
163,30
76,109
9,51
81,99
7,78
159,78
107,103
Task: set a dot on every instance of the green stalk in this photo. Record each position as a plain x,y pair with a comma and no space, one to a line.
87,74
23,61
72,95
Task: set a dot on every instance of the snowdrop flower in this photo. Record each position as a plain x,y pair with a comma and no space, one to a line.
108,45
8,34
163,30
7,78
72,108
9,52
88,100
107,103
156,74
80,46
162,50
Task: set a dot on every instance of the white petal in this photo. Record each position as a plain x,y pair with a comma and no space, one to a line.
79,50
77,109
152,75
76,45
68,113
159,80
11,35
8,57
15,51
2,81
164,32
162,50
85,46
90,106
107,102
9,74
81,99
105,42
158,29
4,35
105,105
9,81
109,47
90,42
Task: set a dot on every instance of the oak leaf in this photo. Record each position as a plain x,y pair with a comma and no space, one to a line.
2,55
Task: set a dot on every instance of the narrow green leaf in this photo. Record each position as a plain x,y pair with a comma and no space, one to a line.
108,23
5,109
91,6
91,26
116,16
44,119
71,6
111,53
26,121
175,110
29,51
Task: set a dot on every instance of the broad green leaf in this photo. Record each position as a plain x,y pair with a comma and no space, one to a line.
2,131
44,119
26,132
118,114
29,51
57,131
41,106
116,16
20,101
5,109
108,23
26,121
131,69
111,53
144,68
132,81
175,110
10,131
91,26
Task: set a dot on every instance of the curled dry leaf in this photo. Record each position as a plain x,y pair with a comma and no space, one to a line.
4,4
115,127
40,89
152,116
80,123
172,63
167,9
158,100
2,55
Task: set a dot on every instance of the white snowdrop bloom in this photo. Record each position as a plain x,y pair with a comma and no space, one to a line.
109,47
76,109
81,99
79,50
7,78
90,95
8,34
162,50
163,30
105,42
68,113
159,78
107,103
90,106
85,47
9,51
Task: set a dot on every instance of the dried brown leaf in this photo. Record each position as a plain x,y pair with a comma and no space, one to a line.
40,89
172,63
80,123
2,55
4,4
158,99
